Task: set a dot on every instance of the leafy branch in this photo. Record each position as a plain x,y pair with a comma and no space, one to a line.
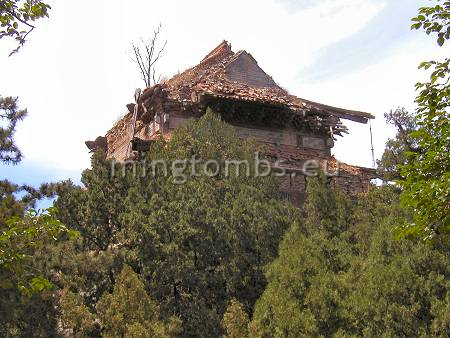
18,242
434,20
426,175
17,18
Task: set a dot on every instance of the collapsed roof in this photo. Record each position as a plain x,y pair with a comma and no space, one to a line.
236,83
237,76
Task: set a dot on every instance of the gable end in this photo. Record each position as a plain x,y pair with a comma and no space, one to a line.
244,69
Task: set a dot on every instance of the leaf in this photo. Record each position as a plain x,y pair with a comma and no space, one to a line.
73,234
39,284
6,284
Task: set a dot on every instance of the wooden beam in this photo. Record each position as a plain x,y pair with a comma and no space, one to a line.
353,115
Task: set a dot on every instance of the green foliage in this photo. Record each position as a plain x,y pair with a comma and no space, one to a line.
9,205
18,242
129,312
86,272
94,210
196,244
17,18
16,199
27,301
126,312
434,20
10,114
235,321
27,317
426,175
27,305
206,240
76,318
327,211
395,153
357,282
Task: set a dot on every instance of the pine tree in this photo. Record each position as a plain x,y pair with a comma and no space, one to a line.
10,114
129,312
235,320
358,281
196,244
76,319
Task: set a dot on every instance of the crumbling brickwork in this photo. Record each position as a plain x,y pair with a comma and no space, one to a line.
293,130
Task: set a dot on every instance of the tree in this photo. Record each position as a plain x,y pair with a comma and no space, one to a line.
95,209
395,153
426,175
126,312
147,55
10,114
34,316
10,204
196,245
17,19
22,237
206,240
76,319
302,295
129,312
359,282
27,306
235,320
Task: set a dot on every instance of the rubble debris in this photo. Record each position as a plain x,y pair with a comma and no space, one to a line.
99,143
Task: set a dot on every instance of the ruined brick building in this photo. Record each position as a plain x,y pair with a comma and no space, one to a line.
233,85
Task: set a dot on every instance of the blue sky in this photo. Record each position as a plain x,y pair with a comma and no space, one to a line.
386,31
75,75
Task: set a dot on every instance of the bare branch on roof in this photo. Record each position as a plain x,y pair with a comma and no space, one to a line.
146,55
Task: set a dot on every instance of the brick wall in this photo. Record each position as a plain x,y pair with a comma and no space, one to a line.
353,180
244,69
285,137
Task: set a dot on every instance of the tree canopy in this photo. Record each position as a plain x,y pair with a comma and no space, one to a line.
426,174
10,114
396,149
357,282
196,245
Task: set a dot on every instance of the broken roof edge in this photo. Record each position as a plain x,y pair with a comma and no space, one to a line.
223,47
224,51
347,114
